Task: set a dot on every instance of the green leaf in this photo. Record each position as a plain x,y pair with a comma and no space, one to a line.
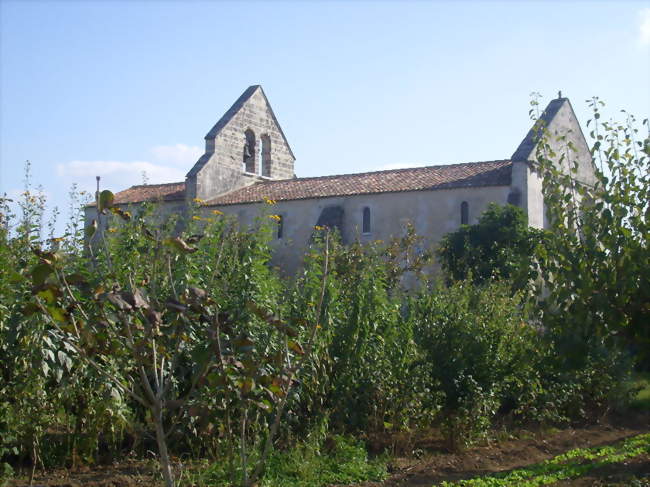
295,347
57,314
40,273
49,293
106,199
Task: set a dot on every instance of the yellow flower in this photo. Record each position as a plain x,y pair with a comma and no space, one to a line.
269,201
318,227
197,200
196,217
277,218
217,212
112,230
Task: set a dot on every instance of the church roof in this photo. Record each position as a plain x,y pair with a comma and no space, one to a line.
473,174
151,192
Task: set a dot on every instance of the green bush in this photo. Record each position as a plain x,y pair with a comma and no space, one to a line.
499,246
365,347
475,345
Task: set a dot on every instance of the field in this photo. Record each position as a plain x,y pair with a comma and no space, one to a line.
422,460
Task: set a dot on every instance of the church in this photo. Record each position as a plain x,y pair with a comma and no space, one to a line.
248,160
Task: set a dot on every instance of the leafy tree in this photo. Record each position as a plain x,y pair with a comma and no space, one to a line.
595,261
136,315
499,246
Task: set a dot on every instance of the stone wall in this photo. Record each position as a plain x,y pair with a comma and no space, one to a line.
527,181
224,169
434,213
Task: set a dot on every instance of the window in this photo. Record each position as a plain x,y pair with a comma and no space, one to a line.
280,231
365,224
464,213
248,161
265,156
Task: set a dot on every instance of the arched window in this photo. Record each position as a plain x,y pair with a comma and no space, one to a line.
248,161
365,224
464,213
265,156
280,232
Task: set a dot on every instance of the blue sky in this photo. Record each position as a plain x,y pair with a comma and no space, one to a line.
118,88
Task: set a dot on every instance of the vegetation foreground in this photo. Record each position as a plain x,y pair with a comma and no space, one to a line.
177,342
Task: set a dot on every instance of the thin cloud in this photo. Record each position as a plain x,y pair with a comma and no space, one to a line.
644,27
169,163
117,175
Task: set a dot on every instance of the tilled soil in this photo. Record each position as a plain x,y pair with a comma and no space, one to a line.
122,474
437,465
433,464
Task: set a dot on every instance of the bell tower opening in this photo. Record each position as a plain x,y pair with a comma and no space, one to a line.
248,161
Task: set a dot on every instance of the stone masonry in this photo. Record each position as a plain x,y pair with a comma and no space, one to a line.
223,166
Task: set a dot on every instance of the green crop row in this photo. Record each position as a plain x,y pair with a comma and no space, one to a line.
570,465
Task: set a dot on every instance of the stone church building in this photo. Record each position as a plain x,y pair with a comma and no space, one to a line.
248,159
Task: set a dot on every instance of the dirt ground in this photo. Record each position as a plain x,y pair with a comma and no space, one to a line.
123,474
423,461
437,465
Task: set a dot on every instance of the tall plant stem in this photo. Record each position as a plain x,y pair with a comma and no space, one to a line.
162,445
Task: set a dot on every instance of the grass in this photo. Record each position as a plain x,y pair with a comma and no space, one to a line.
310,464
570,465
641,400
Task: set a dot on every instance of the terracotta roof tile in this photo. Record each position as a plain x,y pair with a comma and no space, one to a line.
151,192
473,174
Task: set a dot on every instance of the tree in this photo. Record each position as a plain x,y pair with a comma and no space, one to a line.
499,246
161,315
595,260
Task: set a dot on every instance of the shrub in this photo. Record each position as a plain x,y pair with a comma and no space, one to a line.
499,246
475,343
365,348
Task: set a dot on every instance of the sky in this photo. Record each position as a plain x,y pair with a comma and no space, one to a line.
118,88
